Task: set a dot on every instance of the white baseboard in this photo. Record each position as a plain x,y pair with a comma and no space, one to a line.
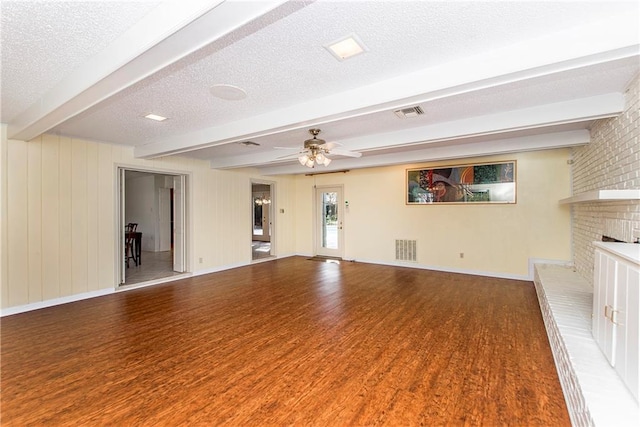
219,268
86,295
528,277
55,301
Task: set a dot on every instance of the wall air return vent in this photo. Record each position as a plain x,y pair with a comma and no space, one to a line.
409,112
406,250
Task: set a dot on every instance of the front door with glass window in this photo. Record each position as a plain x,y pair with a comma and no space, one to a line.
329,220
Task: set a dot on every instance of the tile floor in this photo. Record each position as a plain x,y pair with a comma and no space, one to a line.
260,250
158,265
155,265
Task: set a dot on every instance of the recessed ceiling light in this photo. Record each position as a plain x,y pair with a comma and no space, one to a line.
346,47
155,117
228,92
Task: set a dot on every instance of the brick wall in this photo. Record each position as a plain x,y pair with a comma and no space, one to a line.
610,161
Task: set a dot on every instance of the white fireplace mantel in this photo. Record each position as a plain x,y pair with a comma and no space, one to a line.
602,196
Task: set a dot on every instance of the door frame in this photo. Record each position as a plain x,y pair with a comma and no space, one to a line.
317,221
120,171
272,216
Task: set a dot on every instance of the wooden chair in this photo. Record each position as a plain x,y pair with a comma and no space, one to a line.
129,243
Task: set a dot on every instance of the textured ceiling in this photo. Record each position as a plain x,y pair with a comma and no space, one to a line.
460,61
43,41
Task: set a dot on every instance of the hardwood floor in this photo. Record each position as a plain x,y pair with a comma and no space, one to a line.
288,342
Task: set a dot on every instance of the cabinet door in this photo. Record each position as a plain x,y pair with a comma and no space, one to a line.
619,320
604,294
599,297
610,328
632,332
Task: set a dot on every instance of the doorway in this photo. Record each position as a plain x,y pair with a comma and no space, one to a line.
329,221
261,220
151,224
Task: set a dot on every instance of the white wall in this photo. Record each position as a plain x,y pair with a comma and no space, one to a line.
495,239
141,207
610,161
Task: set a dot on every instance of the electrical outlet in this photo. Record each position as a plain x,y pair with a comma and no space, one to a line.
461,254
200,260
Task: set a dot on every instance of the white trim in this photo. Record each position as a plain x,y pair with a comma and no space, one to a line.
223,268
188,204
273,214
56,301
602,196
138,285
529,277
448,269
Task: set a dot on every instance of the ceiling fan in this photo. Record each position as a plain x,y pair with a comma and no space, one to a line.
316,151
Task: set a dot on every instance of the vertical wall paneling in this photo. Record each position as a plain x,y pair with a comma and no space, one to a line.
4,278
34,215
106,220
92,216
17,207
59,213
50,217
79,220
65,217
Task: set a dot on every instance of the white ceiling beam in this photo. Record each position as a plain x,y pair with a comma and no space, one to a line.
170,32
578,110
443,152
574,111
574,48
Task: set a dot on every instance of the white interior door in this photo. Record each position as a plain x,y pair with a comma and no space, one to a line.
164,219
179,252
329,221
121,223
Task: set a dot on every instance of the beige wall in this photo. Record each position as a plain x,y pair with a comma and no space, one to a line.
495,239
58,216
59,227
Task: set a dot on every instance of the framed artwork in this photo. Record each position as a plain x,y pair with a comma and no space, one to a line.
477,183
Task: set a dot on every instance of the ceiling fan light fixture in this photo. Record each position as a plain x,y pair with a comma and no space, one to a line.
316,151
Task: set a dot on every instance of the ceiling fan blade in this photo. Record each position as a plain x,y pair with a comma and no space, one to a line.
331,145
290,156
287,148
346,153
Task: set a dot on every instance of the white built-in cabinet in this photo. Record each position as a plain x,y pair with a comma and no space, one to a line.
616,304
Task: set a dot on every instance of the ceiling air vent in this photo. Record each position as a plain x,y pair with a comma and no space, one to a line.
409,112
